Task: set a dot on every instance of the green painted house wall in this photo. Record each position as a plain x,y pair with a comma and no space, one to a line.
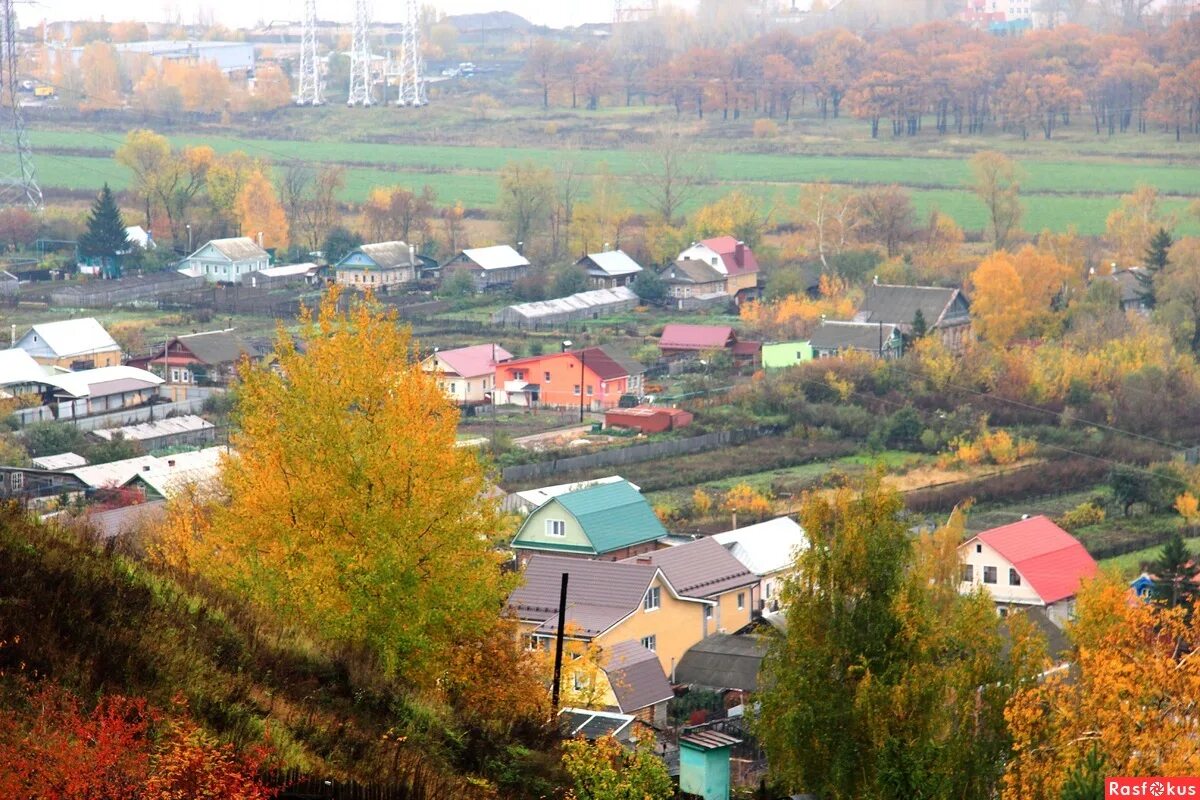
785,354
704,772
533,530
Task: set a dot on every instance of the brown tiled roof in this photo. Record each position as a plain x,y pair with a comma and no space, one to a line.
702,568
636,676
599,593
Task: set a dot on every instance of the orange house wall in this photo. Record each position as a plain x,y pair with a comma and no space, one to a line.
564,376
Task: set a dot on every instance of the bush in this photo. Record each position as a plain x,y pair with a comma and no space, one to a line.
1081,516
765,129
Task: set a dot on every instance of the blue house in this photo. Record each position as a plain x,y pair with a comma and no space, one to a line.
377,266
1143,586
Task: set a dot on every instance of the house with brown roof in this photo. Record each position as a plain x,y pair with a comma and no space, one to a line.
732,259
944,312
209,358
226,260
378,266
694,285
680,340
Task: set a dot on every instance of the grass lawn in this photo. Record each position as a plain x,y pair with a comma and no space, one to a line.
1130,565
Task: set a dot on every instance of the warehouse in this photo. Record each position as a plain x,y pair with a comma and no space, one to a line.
585,305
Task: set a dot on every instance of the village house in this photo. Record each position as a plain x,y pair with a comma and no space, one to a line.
466,374
209,358
781,355
527,500
608,604
89,393
378,266
609,269
731,258
1130,284
769,550
832,339
284,275
608,521
593,378
1031,563
681,340
226,260
704,569
495,267
73,344
944,312
695,285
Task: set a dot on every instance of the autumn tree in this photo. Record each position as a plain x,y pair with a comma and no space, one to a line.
606,770
101,70
543,66
1126,702
145,153
398,214
670,176
1133,223
828,217
745,499
348,510
887,214
272,89
1015,294
601,221
1175,568
526,197
259,212
995,181
737,214
18,227
887,682
310,198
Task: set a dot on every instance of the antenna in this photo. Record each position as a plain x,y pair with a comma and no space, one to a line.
18,178
360,57
409,78
308,89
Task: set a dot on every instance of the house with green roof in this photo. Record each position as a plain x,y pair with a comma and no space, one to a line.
609,521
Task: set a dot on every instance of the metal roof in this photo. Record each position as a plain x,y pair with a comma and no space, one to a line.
865,336
702,568
636,676
171,473
114,473
693,270
708,740
60,461
215,347
388,255
102,381
499,256
679,336
593,725
17,366
1051,561
723,661
613,515
899,304
153,430
67,338
470,362
237,248
594,299
599,593
768,547
536,497
613,263
118,521
286,270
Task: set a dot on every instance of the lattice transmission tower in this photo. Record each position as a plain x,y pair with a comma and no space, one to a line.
634,10
360,57
410,78
308,88
18,178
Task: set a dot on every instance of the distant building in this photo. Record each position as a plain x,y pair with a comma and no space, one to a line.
609,521
695,285
226,260
209,358
467,374
230,57
832,339
74,344
733,259
495,267
1130,284
648,419
609,269
769,550
378,266
592,378
946,312
284,275
779,355
584,305
188,430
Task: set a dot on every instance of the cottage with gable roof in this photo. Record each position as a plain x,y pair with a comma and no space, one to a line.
378,266
944,312
467,374
609,269
226,260
495,267
73,344
608,521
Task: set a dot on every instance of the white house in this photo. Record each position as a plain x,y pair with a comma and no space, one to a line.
377,266
71,343
1028,563
226,260
769,550
494,267
609,269
466,374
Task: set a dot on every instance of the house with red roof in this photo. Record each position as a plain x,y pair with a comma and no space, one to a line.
467,374
680,340
1031,563
731,258
592,377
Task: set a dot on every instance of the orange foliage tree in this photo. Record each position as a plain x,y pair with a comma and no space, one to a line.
259,211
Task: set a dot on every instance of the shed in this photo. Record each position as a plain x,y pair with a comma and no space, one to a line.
10,285
283,275
681,338
60,461
704,763
494,267
189,429
648,419
779,355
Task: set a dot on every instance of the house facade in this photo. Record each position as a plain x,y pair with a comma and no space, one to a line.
781,355
74,344
378,267
607,521
1031,563
609,269
209,358
561,379
945,311
467,374
226,260
833,339
694,285
769,551
492,268
733,259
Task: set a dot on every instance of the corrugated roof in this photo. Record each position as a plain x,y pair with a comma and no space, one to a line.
171,473
119,521
594,299
153,430
479,359
389,255
723,661
498,256
834,335
599,593
702,568
636,676
536,497
285,270
899,304
614,263
768,547
1049,559
114,473
215,348
678,336
708,740
70,337
17,366
613,516
103,380
60,461
237,248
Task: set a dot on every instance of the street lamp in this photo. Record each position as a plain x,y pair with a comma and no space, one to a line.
189,230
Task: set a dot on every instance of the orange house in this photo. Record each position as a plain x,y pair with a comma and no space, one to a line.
561,380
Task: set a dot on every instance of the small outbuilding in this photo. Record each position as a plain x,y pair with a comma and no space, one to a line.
648,419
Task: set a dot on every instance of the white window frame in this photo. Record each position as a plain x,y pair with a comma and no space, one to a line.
1014,577
741,601
650,643
652,601
556,528
994,572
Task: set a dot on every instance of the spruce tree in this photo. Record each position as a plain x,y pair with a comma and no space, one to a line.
1155,260
1173,572
919,326
105,237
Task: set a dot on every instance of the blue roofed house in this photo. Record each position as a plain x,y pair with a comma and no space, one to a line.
610,521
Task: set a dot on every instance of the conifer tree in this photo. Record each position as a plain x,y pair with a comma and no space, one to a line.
919,326
1155,261
1173,572
105,237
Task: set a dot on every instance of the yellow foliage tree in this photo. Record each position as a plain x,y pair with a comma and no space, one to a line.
1127,706
745,499
603,219
101,71
795,315
226,179
1188,507
259,211
347,510
1131,224
998,300
702,502
737,214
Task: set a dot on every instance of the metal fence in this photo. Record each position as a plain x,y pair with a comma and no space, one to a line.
115,419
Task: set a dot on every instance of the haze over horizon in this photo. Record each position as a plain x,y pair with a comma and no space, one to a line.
248,13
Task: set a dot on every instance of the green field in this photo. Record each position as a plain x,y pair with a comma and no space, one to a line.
1064,183
1130,564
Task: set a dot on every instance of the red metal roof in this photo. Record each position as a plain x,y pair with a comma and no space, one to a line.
677,336
727,248
1048,558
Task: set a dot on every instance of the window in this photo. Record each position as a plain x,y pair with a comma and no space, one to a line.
518,375
989,574
741,601
545,377
651,602
708,612
174,376
453,388
650,642
556,527
531,642
1014,577
577,388
17,481
968,573
978,548
1003,613
577,682
768,591
591,390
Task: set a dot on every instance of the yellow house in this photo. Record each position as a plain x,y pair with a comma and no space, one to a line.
73,344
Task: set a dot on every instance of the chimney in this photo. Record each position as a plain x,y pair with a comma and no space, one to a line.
260,239
412,255
739,254
644,560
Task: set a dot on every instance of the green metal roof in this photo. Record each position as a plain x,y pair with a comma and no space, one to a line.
613,515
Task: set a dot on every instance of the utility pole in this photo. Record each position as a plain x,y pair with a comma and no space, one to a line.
360,57
18,178
558,646
308,88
